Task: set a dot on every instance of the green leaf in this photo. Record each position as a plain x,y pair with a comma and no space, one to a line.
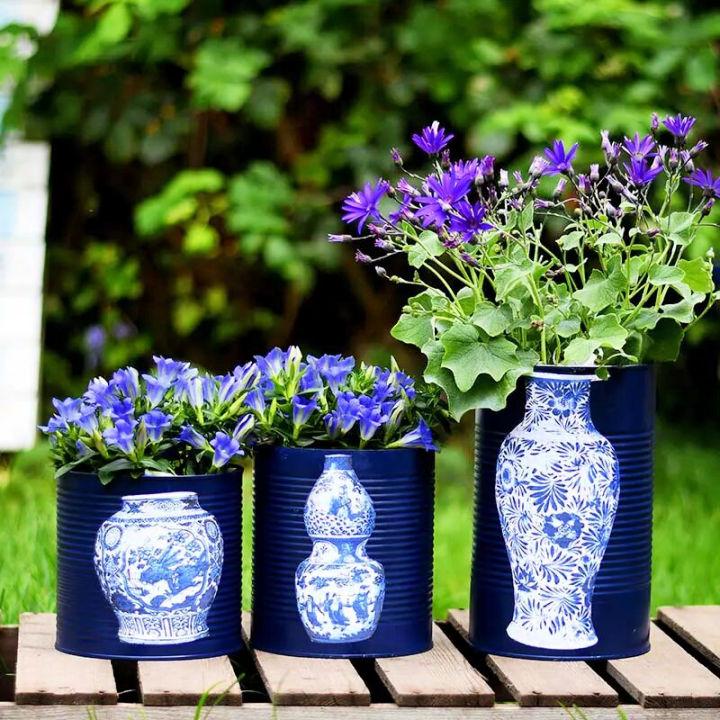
580,351
428,245
665,275
571,241
467,356
413,330
607,332
679,226
683,311
200,239
697,274
646,319
430,299
567,327
492,319
601,291
517,274
112,27
106,472
664,341
609,238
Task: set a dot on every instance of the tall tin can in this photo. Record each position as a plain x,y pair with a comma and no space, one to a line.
623,410
388,539
150,568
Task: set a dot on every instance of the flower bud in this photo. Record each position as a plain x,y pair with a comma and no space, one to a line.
361,257
654,123
594,172
698,147
560,187
339,238
381,271
537,166
504,180
445,159
396,157
707,207
653,232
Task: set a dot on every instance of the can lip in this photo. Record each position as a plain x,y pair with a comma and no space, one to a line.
93,476
176,495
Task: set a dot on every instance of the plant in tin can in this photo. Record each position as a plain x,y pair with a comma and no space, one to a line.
552,266
331,401
174,420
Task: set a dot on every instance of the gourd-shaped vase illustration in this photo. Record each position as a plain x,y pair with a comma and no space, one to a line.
339,589
159,561
557,488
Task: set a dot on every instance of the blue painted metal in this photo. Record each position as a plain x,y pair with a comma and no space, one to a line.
401,485
623,410
86,624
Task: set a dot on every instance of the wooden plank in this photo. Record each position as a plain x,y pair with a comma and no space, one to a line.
308,681
440,677
544,683
184,682
698,626
46,676
8,660
667,676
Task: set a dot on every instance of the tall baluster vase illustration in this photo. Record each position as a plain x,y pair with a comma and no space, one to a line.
339,589
159,561
557,488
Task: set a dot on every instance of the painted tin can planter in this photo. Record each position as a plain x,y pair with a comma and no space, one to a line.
343,552
151,568
581,494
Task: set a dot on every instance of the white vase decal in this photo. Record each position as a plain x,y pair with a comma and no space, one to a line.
557,488
159,561
339,589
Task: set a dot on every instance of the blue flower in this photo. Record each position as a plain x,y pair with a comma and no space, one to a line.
559,160
362,206
99,392
705,181
169,370
244,425
225,449
274,363
420,437
444,192
192,437
255,400
88,420
127,382
121,436
68,410
469,220
639,148
679,125
432,139
334,368
370,417
302,409
122,409
155,389
311,380
229,387
82,449
641,172
246,375
156,423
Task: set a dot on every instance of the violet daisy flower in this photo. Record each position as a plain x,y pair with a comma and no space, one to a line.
641,172
705,181
363,205
559,161
432,139
679,125
465,168
445,191
639,148
470,220
610,149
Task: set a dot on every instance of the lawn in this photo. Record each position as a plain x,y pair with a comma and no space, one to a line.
686,562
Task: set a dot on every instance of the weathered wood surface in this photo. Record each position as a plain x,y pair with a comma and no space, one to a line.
667,676
184,682
46,676
439,677
541,682
308,681
697,626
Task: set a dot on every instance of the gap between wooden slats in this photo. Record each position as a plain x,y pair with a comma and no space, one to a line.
8,661
307,681
667,676
184,682
544,682
698,626
440,677
46,676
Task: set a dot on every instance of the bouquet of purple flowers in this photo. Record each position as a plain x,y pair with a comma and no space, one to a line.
556,265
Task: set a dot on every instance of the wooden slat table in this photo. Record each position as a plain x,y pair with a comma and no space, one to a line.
679,678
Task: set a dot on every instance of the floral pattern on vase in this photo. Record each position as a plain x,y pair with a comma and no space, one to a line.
339,589
159,561
557,489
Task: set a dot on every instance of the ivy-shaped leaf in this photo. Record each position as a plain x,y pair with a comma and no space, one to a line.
428,245
600,290
413,329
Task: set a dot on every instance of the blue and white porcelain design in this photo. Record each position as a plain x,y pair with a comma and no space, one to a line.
159,561
557,488
339,589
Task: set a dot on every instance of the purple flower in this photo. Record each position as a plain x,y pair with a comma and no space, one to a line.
127,382
559,161
639,148
432,139
273,364
406,188
370,417
192,437
243,426
68,410
311,380
487,167
420,437
469,220
99,392
255,400
122,409
334,368
444,191
396,157
641,172
705,181
94,344
121,436
537,166
302,409
611,150
361,257
88,420
465,169
403,211
679,125
362,206
156,423
225,449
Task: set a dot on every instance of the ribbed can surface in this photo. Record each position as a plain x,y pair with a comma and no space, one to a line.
623,410
86,623
401,485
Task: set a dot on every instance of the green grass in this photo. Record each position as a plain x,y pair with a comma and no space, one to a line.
686,563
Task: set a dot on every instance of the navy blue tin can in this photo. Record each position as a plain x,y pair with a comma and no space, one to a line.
383,537
150,568
623,410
